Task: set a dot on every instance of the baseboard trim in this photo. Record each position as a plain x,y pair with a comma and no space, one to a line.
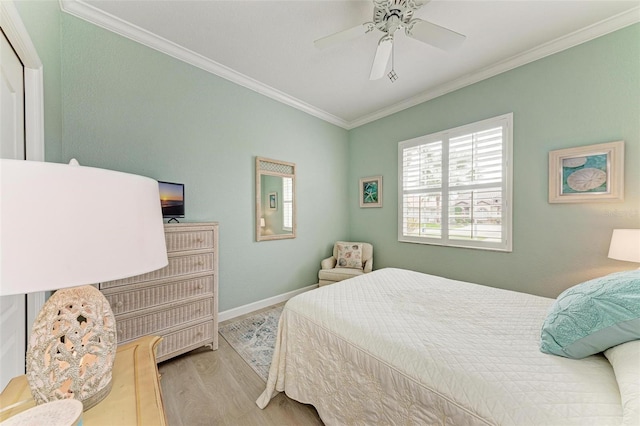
260,304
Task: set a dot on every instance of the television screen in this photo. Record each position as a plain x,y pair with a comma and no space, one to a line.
172,199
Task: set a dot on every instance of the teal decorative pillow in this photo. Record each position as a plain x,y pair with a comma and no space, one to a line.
593,316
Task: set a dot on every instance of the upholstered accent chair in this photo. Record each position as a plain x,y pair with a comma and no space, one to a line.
349,260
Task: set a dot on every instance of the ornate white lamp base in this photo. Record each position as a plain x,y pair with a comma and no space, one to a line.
72,348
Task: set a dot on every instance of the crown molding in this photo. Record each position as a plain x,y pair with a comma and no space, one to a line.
105,20
91,14
617,22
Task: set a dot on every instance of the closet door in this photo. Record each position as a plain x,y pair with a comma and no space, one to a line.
13,312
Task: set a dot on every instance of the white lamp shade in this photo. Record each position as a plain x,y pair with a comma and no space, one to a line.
68,225
625,245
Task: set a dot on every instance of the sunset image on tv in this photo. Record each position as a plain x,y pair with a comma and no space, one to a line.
171,199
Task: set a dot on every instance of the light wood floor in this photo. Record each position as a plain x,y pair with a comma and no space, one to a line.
206,387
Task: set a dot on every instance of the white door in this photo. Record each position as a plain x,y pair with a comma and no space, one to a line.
12,145
11,102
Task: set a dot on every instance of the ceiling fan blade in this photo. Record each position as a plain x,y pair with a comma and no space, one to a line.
345,35
433,34
382,57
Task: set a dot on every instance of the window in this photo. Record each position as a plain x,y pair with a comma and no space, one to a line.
455,186
287,203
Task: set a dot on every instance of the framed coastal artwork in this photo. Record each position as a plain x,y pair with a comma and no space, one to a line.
593,173
371,191
273,201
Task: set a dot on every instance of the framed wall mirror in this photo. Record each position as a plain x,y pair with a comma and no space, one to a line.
275,199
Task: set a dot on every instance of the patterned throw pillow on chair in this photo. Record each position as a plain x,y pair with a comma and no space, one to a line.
349,255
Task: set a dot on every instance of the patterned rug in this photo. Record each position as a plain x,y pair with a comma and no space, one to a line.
254,339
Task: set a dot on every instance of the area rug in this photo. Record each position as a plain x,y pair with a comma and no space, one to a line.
254,338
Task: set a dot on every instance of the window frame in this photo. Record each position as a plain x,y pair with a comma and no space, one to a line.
506,244
287,204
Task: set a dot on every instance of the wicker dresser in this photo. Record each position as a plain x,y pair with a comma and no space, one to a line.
178,302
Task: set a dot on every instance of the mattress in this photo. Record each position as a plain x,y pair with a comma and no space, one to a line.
401,347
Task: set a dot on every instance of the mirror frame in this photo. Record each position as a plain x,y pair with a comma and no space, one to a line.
269,167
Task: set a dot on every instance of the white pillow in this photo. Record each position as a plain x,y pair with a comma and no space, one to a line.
625,360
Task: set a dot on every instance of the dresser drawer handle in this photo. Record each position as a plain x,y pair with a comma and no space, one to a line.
199,240
199,263
119,304
199,286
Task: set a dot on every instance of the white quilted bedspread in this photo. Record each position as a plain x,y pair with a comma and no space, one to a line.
401,347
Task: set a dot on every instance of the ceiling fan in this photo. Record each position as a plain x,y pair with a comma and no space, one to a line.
388,17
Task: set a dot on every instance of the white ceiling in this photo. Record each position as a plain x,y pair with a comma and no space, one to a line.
267,46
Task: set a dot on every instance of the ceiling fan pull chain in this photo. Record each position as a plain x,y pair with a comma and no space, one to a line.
392,74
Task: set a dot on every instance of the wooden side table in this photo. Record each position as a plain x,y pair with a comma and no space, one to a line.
135,397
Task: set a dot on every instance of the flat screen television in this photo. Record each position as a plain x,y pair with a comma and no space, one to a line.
171,199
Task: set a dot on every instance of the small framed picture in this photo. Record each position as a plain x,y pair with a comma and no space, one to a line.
593,173
273,201
371,191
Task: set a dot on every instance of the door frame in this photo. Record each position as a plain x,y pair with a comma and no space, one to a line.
17,34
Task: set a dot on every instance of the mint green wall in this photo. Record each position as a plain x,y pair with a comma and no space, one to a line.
114,103
130,108
585,95
42,19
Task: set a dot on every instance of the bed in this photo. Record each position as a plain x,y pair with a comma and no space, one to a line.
401,347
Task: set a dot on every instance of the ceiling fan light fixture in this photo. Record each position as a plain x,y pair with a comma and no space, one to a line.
389,16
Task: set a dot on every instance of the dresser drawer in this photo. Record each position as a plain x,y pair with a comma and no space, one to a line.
131,327
189,240
178,265
153,295
178,302
181,341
